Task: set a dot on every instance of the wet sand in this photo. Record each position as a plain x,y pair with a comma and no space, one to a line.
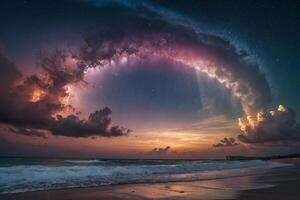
286,184
280,183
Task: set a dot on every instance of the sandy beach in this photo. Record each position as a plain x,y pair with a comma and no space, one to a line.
278,183
286,184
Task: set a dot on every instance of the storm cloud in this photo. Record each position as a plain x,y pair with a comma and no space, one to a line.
270,127
34,105
97,123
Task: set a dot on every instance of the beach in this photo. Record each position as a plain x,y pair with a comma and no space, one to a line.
286,184
277,183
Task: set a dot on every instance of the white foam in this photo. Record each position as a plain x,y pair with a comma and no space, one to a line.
84,161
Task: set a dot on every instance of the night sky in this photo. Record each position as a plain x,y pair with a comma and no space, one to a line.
125,78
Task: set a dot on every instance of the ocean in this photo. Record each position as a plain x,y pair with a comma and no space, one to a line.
33,174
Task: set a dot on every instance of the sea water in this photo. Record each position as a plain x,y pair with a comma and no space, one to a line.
32,174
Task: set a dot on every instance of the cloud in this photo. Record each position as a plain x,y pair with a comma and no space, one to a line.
118,131
160,151
35,104
226,142
270,127
9,74
28,132
97,124
210,125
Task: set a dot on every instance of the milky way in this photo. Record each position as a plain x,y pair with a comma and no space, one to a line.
134,32
151,34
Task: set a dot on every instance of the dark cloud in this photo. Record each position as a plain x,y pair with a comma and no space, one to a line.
28,132
160,151
226,142
97,124
31,103
117,131
270,127
9,74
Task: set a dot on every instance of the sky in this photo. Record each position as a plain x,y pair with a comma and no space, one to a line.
149,79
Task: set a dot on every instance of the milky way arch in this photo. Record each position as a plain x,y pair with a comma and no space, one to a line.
205,53
139,30
121,35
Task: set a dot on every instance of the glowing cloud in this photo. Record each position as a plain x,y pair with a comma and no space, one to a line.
274,126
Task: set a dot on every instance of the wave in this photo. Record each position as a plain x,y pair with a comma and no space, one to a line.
24,178
84,161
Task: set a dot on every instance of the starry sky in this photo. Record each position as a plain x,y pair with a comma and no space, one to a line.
149,79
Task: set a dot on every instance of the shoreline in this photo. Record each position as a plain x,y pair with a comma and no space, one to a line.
279,183
286,184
